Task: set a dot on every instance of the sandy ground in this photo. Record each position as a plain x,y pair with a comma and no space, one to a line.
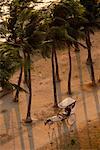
85,132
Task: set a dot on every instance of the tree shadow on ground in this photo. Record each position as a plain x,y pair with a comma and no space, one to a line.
83,97
95,91
12,124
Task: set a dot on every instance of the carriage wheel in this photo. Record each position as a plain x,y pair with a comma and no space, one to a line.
71,119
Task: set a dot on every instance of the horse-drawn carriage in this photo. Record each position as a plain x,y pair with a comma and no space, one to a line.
66,106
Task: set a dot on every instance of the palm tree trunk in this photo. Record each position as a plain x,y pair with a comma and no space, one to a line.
28,117
25,69
70,70
76,47
88,43
56,63
54,81
19,83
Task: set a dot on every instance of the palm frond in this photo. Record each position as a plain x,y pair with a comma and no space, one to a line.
18,87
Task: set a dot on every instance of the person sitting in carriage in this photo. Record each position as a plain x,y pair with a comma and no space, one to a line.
68,109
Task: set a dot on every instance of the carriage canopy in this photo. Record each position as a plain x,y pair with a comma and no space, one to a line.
66,102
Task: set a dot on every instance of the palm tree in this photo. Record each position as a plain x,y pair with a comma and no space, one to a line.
92,14
19,83
23,28
56,64
25,69
47,50
54,77
67,17
88,43
28,117
70,70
